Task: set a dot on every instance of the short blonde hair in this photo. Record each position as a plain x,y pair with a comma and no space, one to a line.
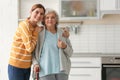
48,10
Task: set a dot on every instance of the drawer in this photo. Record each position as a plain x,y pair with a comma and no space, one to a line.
86,62
85,74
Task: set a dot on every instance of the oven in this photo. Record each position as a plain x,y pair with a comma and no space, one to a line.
110,68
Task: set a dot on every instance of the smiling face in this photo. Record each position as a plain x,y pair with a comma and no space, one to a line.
50,20
37,15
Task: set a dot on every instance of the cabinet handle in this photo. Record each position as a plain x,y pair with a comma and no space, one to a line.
84,67
80,75
82,62
111,66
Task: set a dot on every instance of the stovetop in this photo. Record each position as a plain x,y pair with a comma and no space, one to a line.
111,60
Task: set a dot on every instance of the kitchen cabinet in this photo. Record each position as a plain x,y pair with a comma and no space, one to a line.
85,74
66,9
79,9
24,6
110,6
85,68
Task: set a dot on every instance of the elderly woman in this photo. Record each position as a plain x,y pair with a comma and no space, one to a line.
53,51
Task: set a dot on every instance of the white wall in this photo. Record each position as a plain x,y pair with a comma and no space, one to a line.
8,24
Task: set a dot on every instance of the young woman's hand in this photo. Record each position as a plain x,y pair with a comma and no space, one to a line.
38,29
36,68
65,33
61,44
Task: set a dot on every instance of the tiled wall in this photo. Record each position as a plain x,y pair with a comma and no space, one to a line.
96,39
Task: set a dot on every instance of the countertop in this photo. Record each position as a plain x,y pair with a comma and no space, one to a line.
95,54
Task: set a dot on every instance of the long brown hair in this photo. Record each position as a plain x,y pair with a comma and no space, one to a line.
37,6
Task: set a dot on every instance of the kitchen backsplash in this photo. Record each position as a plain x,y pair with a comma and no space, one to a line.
96,39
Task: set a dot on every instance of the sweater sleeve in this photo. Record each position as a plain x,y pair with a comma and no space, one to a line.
29,37
68,50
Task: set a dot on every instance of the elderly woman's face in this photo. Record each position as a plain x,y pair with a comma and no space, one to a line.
50,20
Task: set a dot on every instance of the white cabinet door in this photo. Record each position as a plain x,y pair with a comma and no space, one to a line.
24,7
86,62
85,68
109,7
108,4
85,74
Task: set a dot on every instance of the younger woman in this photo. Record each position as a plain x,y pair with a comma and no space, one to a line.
24,43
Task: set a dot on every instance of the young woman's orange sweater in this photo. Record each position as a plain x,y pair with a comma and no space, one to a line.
24,42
